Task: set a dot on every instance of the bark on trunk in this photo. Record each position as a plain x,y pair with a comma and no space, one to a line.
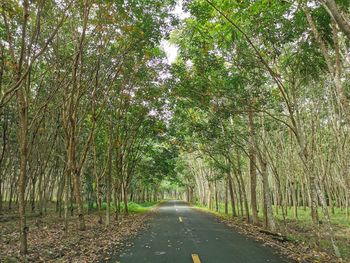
252,169
232,196
108,182
79,201
334,11
268,213
125,195
23,142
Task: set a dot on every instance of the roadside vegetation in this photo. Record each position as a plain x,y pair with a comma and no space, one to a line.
300,240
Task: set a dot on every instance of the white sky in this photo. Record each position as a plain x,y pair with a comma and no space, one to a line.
170,49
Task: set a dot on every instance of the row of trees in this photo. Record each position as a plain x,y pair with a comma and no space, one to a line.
255,111
261,92
81,102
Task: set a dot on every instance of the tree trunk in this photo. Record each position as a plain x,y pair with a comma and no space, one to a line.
125,195
108,181
334,11
66,197
269,220
116,204
294,198
232,196
226,196
216,197
252,169
79,201
23,143
97,180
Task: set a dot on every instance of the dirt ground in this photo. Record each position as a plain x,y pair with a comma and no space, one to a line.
301,245
47,241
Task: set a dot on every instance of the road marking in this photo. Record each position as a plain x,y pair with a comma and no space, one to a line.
180,219
195,258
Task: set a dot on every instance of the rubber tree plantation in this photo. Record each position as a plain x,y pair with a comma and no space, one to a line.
240,110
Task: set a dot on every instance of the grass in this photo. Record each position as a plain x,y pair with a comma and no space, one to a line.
304,215
303,229
221,211
51,209
139,208
133,207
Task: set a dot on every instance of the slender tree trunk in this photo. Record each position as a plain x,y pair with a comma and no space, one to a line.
242,186
125,195
269,220
40,193
327,217
216,197
23,142
97,180
33,193
294,198
22,107
116,203
226,196
1,194
252,167
232,196
209,203
79,201
334,11
108,180
66,198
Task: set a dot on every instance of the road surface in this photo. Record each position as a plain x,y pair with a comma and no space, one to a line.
180,234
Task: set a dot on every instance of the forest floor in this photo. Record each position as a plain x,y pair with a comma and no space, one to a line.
47,241
299,239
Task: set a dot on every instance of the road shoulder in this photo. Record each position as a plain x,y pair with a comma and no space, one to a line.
291,249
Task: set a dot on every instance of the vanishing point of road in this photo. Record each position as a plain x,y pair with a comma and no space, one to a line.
181,234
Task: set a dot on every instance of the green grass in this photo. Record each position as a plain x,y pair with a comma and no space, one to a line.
133,207
339,221
304,216
139,208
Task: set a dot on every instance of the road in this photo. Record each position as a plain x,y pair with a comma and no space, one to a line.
182,234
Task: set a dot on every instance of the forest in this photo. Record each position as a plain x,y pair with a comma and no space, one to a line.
250,120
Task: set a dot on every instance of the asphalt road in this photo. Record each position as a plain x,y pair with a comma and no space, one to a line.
179,232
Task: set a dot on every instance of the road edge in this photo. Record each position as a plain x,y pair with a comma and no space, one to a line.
293,251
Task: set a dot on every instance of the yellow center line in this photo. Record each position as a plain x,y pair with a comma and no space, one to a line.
180,219
195,258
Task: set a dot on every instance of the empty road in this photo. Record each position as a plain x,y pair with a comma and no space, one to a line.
179,233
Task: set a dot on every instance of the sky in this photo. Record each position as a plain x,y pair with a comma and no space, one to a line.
170,49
